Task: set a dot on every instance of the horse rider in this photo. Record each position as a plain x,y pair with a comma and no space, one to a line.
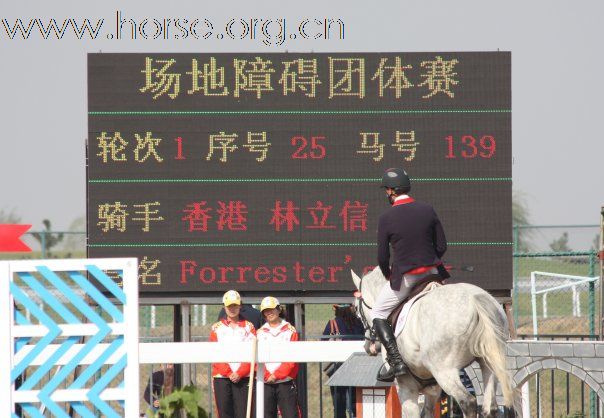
418,242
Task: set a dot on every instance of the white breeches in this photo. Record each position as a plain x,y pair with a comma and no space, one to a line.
389,299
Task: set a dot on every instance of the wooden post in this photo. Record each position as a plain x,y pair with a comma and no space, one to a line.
359,400
509,312
437,409
250,388
393,404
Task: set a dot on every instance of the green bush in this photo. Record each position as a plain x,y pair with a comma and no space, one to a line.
184,399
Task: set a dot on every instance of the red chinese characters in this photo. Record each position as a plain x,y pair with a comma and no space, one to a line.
231,215
283,216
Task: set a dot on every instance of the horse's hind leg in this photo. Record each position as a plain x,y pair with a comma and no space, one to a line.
450,382
489,404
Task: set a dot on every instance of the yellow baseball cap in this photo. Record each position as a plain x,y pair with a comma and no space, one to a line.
232,297
269,302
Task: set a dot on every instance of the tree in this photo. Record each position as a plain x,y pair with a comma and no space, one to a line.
76,240
7,217
596,243
560,245
47,239
520,216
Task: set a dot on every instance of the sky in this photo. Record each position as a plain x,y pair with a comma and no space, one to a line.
557,63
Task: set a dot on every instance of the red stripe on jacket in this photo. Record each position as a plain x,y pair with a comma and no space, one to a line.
222,332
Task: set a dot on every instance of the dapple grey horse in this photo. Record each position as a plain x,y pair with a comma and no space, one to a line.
445,331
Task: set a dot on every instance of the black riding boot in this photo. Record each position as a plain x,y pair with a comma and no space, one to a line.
384,332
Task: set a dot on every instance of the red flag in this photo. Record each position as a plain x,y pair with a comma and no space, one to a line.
9,238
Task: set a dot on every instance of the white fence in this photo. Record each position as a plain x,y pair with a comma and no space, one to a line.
214,352
43,303
574,283
45,312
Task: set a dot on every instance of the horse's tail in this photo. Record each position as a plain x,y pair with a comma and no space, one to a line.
487,341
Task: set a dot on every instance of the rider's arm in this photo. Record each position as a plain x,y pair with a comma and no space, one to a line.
383,247
440,241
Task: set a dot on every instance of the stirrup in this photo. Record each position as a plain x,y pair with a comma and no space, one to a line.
384,375
389,374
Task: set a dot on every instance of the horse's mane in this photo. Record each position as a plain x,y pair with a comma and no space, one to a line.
372,283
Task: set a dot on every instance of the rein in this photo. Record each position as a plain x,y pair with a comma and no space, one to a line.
366,325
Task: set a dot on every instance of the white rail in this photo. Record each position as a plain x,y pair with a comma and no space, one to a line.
572,282
213,352
205,352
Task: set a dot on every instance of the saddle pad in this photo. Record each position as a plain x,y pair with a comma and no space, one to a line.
402,318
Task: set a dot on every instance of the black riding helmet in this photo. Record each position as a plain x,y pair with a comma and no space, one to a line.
397,179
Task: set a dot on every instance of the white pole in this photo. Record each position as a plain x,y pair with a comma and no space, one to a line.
545,305
576,302
260,391
152,319
7,322
195,315
526,400
534,302
525,388
250,388
204,315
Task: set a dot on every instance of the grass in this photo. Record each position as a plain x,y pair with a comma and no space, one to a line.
559,303
559,403
579,266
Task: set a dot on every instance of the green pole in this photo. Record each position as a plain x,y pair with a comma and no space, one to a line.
592,325
515,301
600,255
592,296
43,243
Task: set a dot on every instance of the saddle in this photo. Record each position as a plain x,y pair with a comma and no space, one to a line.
416,290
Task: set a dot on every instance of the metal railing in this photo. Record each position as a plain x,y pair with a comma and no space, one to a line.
557,393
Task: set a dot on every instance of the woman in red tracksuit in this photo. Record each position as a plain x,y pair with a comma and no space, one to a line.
279,378
231,380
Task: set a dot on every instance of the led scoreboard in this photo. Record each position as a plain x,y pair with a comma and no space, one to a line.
261,172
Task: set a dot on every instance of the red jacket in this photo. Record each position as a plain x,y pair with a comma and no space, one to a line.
283,332
222,332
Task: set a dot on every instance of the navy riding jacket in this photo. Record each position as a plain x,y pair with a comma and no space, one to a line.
416,235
